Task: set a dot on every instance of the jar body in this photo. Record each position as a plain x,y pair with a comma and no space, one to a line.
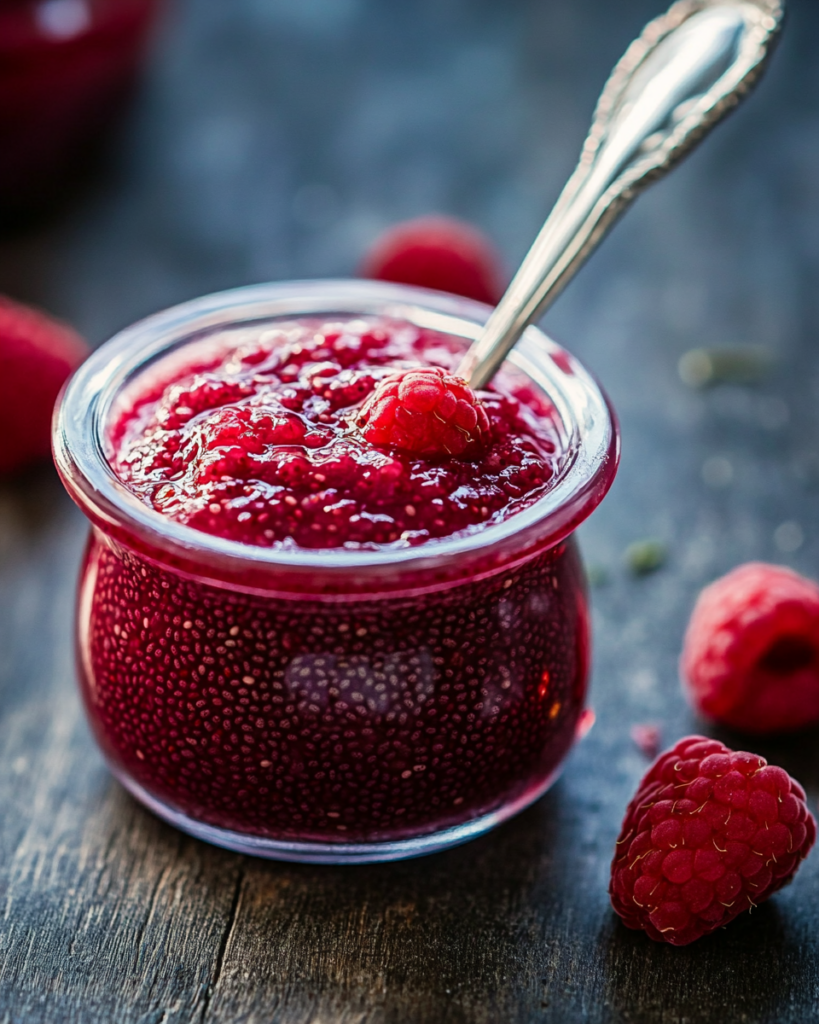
333,729
338,704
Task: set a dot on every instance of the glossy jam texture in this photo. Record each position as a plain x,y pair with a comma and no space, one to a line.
255,440
369,720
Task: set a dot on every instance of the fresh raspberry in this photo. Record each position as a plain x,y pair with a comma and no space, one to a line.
425,410
437,252
750,657
37,354
709,833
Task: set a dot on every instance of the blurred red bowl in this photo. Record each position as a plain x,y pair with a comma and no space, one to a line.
66,67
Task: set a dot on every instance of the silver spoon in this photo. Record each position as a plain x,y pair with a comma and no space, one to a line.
688,68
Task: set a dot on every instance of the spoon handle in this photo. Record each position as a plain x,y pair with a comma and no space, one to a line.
687,69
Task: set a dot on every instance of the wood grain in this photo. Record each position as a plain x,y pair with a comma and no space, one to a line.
273,140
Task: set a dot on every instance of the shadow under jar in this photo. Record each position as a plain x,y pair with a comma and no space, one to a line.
332,704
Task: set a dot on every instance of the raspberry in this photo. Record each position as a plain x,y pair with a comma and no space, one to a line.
37,354
425,410
709,833
437,252
750,657
647,739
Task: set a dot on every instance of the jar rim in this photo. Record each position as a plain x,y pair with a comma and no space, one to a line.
83,412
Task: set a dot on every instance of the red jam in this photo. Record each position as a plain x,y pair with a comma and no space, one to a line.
319,718
302,720
259,443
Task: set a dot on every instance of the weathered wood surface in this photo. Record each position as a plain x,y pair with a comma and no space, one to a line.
272,140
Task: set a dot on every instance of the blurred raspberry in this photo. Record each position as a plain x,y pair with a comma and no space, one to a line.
709,834
425,410
438,252
750,657
647,739
37,354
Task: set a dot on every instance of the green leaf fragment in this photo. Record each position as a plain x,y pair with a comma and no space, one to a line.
703,367
645,556
597,575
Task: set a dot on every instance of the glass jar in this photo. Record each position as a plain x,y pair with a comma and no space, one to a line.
332,705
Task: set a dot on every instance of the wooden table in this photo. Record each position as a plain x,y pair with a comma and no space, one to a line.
273,139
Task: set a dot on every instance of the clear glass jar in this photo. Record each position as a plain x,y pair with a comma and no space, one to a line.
332,705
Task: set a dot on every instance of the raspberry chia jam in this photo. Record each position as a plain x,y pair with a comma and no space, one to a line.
296,642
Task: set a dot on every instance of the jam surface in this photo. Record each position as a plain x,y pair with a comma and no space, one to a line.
255,440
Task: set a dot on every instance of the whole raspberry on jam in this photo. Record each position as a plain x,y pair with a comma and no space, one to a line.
425,410
750,658
437,252
37,354
710,833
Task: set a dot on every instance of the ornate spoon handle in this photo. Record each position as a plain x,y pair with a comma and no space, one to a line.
687,69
